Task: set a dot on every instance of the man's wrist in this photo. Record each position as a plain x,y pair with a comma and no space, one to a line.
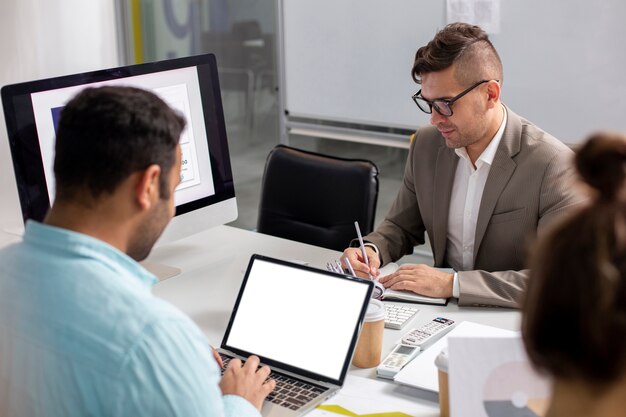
354,243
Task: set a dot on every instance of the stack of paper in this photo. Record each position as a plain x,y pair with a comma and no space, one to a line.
422,372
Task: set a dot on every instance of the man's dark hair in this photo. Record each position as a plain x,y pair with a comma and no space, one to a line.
578,278
105,134
463,44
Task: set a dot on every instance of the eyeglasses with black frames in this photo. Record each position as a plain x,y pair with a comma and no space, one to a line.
443,106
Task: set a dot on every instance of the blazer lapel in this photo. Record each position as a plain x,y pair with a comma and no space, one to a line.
444,177
501,170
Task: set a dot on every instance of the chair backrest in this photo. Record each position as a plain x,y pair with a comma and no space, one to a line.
314,198
247,29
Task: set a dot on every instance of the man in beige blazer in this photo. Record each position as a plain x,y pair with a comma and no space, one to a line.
481,181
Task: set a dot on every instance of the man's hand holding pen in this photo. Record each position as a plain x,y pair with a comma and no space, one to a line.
364,260
355,257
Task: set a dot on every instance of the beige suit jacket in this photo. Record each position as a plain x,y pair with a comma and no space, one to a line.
529,185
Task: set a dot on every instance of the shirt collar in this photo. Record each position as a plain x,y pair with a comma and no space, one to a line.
63,240
487,156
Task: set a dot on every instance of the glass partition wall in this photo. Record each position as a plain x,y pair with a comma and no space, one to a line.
242,35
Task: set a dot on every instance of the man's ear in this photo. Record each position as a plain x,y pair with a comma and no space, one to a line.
147,186
493,93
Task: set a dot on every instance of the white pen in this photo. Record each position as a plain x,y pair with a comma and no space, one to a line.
362,244
349,265
339,267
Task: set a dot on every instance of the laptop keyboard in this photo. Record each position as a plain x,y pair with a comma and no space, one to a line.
290,392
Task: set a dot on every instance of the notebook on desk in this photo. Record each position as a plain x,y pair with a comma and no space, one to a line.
304,323
387,294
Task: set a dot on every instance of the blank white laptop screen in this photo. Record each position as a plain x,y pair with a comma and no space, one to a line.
303,318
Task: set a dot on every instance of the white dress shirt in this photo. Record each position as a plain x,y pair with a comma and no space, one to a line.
467,192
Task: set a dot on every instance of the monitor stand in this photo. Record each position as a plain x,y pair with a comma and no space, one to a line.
161,271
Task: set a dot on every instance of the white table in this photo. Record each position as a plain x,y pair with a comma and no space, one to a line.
213,264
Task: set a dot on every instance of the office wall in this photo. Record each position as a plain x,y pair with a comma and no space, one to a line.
350,61
42,38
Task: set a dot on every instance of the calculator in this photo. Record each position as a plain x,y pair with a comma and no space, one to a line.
428,333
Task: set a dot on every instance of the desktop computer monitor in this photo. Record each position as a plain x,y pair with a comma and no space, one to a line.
206,194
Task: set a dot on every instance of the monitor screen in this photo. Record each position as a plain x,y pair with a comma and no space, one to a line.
190,85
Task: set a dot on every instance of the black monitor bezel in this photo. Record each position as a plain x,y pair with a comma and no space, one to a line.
24,141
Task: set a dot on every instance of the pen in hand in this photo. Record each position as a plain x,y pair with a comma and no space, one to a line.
362,245
349,266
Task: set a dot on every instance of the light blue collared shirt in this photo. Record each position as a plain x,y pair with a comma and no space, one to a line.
81,334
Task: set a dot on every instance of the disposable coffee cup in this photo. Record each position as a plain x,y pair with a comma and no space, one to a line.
370,343
441,361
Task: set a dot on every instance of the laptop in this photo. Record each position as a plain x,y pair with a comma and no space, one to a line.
301,321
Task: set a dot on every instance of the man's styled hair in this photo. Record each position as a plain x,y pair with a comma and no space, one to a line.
578,277
105,134
465,45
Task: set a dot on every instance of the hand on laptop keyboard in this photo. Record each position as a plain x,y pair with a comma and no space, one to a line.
289,392
218,357
248,381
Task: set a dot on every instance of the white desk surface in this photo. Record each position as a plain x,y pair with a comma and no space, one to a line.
213,263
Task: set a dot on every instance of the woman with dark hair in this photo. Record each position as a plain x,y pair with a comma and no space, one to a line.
574,312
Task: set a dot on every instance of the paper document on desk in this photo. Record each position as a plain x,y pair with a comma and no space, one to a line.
365,396
421,372
492,376
394,295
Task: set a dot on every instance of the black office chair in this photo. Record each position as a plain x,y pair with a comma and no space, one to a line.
314,198
242,64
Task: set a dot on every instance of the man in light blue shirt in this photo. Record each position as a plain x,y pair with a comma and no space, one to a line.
80,332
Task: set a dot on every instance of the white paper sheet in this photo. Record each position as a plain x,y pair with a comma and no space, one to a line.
421,372
363,396
491,377
484,13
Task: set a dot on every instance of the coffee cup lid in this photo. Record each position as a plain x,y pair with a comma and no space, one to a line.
375,311
441,361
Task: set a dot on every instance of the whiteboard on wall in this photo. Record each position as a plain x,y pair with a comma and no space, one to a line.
350,61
